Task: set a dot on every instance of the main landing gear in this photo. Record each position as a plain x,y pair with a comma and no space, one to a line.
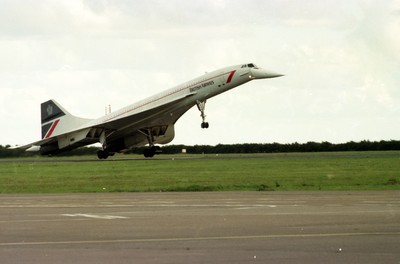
104,154
151,151
202,106
101,154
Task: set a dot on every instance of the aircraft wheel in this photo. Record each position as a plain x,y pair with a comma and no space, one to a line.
149,153
101,154
204,125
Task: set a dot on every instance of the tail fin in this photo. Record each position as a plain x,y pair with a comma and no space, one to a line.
51,110
56,120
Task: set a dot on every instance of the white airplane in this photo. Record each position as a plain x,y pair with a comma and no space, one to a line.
149,121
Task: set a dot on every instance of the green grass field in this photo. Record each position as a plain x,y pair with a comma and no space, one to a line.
250,172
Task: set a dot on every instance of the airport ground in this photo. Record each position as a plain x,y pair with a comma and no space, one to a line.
92,212
201,227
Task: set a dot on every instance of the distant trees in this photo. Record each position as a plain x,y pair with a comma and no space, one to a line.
311,146
364,145
10,153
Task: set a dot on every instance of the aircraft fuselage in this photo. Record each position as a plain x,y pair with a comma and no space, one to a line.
148,121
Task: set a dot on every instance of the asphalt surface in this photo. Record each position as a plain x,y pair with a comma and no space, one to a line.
224,227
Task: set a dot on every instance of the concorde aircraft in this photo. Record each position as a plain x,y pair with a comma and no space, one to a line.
150,121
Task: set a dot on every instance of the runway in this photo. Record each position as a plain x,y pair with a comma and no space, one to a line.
123,157
216,227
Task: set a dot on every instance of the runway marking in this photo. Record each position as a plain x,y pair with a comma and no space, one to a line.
140,240
108,217
256,206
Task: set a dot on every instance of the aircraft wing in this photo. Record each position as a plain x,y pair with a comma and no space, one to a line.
155,125
69,140
164,114
32,145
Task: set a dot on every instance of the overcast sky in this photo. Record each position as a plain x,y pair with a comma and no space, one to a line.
341,61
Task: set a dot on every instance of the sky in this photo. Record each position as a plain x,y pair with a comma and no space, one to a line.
341,61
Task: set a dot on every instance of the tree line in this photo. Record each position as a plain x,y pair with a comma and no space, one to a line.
364,145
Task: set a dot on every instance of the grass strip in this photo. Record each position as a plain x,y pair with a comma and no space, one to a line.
258,172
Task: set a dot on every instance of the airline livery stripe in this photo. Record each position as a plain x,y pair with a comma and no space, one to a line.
51,130
230,76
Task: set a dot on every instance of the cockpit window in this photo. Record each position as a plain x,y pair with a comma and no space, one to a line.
250,65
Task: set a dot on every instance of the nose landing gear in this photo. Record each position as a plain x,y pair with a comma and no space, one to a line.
204,125
201,105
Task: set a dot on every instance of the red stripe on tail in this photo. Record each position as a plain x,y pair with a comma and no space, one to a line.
51,130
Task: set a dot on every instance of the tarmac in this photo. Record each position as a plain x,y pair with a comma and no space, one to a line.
213,227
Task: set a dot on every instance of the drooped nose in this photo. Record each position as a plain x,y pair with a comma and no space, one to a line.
262,74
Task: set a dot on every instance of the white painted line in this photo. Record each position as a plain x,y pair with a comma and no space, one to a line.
108,217
172,239
255,206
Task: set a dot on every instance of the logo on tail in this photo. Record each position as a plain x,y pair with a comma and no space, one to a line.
50,111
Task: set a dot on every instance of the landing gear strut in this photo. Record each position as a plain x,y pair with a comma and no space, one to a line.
103,153
152,150
202,106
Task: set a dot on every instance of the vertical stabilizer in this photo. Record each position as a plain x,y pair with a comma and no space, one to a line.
56,120
51,110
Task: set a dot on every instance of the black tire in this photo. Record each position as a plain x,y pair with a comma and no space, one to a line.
101,154
204,125
149,152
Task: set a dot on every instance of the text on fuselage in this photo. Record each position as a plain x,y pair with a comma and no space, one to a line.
200,86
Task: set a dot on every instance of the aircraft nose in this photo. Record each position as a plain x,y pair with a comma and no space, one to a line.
262,74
